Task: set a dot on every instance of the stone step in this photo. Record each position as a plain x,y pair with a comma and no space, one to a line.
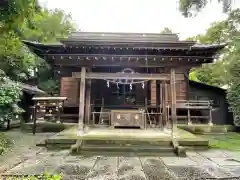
126,148
130,142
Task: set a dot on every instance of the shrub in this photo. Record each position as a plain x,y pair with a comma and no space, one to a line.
10,95
5,143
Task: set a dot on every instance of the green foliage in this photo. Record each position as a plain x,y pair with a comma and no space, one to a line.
191,7
48,25
216,74
166,30
213,74
10,95
50,86
193,76
25,20
45,176
233,94
15,60
14,12
5,143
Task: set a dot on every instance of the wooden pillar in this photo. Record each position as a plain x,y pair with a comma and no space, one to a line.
158,103
88,102
165,106
188,88
82,99
146,93
188,114
34,117
210,115
173,100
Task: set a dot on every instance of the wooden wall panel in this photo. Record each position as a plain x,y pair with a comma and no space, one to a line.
181,90
70,89
153,92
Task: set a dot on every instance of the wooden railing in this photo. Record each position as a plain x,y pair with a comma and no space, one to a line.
195,105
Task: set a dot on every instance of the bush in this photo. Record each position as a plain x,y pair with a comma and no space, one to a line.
5,143
10,95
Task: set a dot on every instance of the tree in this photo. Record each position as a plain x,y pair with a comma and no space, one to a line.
191,7
25,20
45,26
220,32
14,12
233,94
166,30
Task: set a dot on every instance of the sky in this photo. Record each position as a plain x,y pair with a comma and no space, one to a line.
140,16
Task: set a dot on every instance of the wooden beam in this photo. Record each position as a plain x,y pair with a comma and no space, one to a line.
173,101
126,57
82,99
118,76
126,60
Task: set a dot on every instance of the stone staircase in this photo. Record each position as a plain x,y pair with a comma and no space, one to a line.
127,147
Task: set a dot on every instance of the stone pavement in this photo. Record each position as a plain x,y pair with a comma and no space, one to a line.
24,147
211,164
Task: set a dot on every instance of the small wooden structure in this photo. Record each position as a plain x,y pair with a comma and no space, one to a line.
112,77
47,108
28,92
195,105
217,97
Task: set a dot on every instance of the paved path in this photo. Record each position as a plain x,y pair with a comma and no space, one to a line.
24,147
197,165
27,159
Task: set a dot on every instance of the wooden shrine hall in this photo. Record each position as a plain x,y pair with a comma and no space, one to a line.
127,80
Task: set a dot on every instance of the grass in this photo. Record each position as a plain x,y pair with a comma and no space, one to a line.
228,141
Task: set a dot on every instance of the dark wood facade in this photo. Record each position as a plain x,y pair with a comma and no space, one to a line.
220,113
91,68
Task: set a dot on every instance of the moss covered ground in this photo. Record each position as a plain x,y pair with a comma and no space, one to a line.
228,141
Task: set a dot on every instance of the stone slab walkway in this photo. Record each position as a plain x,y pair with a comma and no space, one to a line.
212,164
27,159
23,148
